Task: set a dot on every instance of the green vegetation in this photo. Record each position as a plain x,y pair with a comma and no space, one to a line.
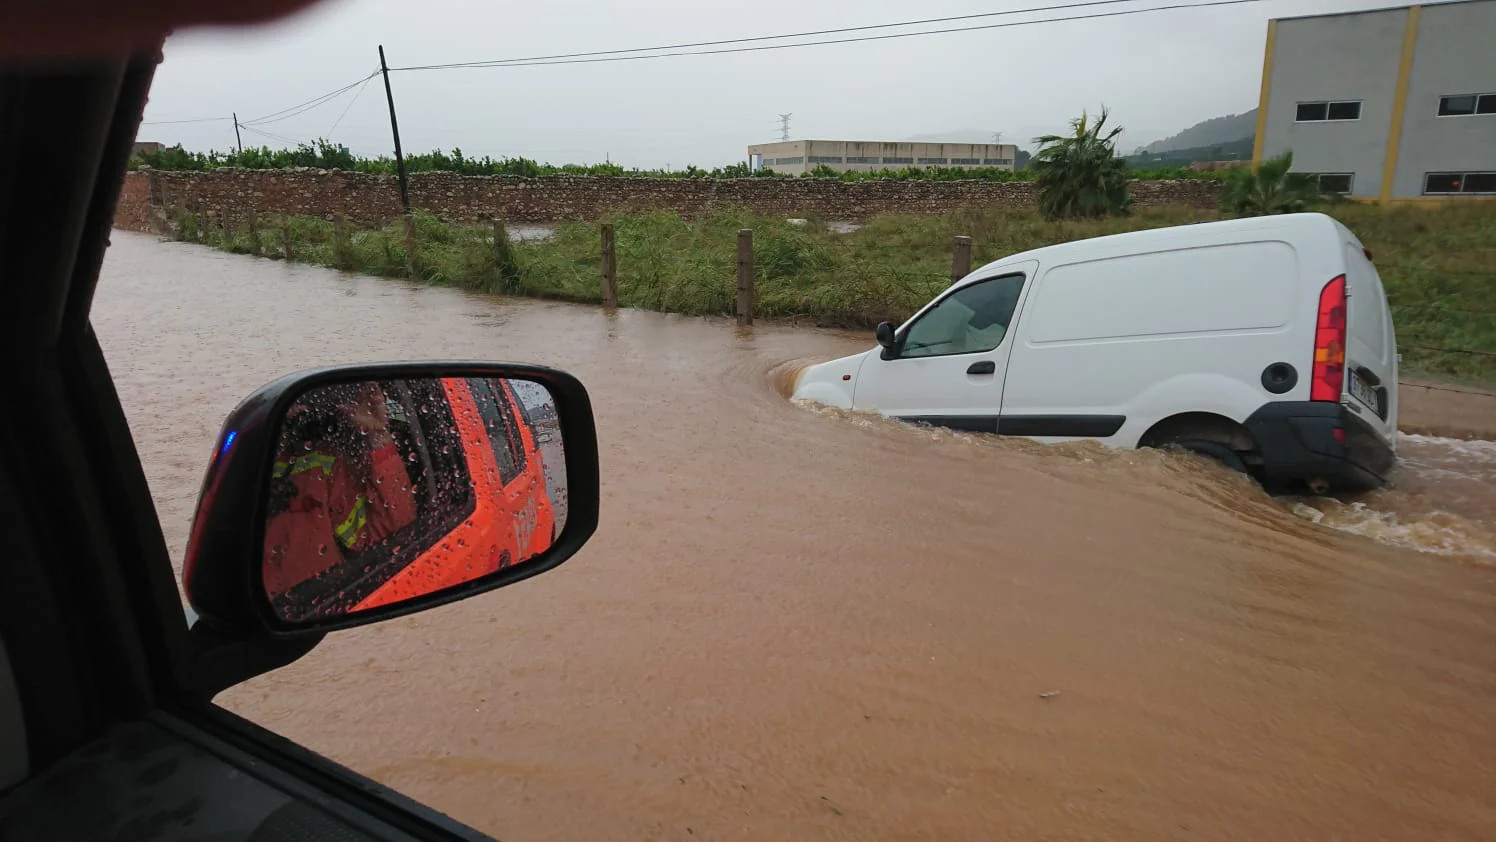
1439,265
329,156
1270,189
1080,175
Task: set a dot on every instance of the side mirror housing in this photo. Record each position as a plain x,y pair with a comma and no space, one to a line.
888,339
343,496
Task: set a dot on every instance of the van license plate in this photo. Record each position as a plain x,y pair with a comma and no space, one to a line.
1363,392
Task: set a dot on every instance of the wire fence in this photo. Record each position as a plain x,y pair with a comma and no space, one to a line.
1458,391
1467,351
1444,308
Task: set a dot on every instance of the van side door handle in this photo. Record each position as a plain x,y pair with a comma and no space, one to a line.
983,367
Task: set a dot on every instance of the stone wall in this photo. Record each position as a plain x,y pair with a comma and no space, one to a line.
134,209
371,200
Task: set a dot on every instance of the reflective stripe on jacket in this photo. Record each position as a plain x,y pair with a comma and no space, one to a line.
334,514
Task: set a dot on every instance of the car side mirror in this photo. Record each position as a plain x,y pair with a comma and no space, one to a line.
344,496
888,339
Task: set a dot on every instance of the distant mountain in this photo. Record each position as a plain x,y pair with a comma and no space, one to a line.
1212,132
1235,150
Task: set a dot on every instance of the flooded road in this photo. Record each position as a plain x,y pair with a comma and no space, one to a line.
803,624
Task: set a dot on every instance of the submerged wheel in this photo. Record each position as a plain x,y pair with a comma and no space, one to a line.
1217,451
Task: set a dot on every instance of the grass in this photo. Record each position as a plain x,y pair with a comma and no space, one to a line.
1438,265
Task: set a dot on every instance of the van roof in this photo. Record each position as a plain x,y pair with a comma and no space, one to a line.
1173,236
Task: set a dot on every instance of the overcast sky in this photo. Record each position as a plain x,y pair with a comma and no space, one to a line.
1158,72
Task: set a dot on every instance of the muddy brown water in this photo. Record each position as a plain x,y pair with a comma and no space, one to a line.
797,623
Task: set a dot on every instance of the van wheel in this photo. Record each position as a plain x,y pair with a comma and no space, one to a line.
1217,451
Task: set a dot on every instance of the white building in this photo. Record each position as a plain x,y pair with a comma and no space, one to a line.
797,157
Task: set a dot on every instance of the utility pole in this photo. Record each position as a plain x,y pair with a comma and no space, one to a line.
237,139
395,129
784,126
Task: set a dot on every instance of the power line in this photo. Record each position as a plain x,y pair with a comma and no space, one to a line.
812,33
273,136
275,116
349,106
613,55
178,122
302,108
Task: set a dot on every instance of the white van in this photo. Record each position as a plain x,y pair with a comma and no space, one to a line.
1266,343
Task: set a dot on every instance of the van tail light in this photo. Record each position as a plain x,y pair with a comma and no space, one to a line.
1329,343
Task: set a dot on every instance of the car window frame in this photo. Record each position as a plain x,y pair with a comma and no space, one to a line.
96,628
903,334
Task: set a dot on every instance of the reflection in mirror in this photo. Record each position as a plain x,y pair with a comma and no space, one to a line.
385,491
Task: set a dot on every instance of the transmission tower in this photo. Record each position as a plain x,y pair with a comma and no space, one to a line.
784,126
997,138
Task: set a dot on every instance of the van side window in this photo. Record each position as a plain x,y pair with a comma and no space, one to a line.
970,320
503,435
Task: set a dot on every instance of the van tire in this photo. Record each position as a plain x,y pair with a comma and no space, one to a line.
1208,434
1217,451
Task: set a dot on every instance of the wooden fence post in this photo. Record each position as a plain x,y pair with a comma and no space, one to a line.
254,231
500,243
961,259
745,276
340,242
412,258
610,267
503,257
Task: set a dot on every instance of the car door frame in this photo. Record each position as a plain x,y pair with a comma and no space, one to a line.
1000,356
91,618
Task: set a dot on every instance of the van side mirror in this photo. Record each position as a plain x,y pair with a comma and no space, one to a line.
348,495
888,339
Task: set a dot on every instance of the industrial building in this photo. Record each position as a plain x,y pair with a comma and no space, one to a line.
1393,104
797,157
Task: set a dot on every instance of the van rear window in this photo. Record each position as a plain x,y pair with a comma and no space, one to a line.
1368,305
1240,286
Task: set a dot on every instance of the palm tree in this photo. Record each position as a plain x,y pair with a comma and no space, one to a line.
1080,175
1271,188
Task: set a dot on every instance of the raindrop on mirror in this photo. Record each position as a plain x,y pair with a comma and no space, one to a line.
371,480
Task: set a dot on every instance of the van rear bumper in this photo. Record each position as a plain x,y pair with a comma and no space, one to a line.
1297,442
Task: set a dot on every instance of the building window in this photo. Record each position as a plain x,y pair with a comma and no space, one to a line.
965,162
1464,105
854,160
795,160
1335,182
898,160
999,162
1446,183
825,159
1314,112
939,162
